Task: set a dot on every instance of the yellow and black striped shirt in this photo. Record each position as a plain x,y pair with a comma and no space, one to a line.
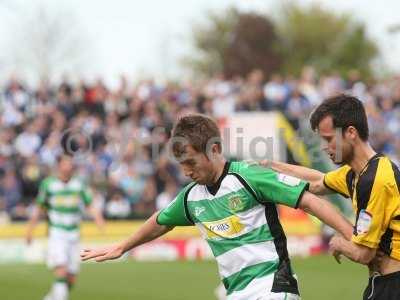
375,195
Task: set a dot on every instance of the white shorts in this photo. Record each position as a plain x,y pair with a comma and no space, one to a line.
63,252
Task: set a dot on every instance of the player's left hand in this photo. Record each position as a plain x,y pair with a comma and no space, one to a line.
338,256
333,247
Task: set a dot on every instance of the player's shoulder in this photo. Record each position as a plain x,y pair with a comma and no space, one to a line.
78,183
344,169
387,172
186,189
48,180
379,173
244,166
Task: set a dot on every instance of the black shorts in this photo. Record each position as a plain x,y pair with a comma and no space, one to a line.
383,287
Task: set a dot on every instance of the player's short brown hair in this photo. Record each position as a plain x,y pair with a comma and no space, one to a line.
196,130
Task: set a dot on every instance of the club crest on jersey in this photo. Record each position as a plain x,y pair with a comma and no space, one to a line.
235,204
199,210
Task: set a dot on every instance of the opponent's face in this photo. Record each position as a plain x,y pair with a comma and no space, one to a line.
337,144
197,166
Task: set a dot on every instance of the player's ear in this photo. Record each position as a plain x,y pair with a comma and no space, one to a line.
216,148
214,151
351,132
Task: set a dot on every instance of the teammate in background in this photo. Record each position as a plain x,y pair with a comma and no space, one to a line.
62,197
371,180
234,207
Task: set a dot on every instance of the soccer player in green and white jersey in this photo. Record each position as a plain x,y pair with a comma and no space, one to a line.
62,197
233,205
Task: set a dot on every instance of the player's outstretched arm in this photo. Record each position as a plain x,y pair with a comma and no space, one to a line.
327,213
149,231
314,177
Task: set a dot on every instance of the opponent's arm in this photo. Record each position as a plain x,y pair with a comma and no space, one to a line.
314,177
279,188
357,253
327,213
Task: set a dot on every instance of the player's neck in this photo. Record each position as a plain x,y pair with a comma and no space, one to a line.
362,154
64,177
219,169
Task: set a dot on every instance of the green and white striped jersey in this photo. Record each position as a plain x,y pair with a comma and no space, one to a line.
239,220
63,201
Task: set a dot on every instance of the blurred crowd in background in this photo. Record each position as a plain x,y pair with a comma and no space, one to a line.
119,135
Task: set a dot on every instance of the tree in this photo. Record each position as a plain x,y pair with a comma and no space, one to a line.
234,43
316,36
254,45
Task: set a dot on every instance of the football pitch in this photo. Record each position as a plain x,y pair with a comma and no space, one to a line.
320,278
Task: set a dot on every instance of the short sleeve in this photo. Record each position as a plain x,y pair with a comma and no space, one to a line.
271,186
42,196
337,180
373,219
87,196
176,213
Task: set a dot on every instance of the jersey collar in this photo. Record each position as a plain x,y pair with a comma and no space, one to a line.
213,189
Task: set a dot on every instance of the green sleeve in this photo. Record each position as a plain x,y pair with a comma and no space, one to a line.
42,196
86,195
271,186
175,214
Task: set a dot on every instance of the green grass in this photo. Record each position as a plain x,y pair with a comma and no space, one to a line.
320,278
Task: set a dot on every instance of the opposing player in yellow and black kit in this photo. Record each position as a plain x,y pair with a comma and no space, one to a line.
372,182
376,201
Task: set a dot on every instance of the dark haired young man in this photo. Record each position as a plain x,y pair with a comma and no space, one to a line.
371,180
234,207
61,196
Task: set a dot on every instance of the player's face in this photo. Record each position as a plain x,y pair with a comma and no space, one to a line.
335,143
197,166
66,166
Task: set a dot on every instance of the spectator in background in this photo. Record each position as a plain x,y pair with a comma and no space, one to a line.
117,206
10,192
224,101
297,107
64,101
147,199
308,86
276,92
118,129
51,149
28,142
166,197
7,147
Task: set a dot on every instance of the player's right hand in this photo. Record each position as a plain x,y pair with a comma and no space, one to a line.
102,254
